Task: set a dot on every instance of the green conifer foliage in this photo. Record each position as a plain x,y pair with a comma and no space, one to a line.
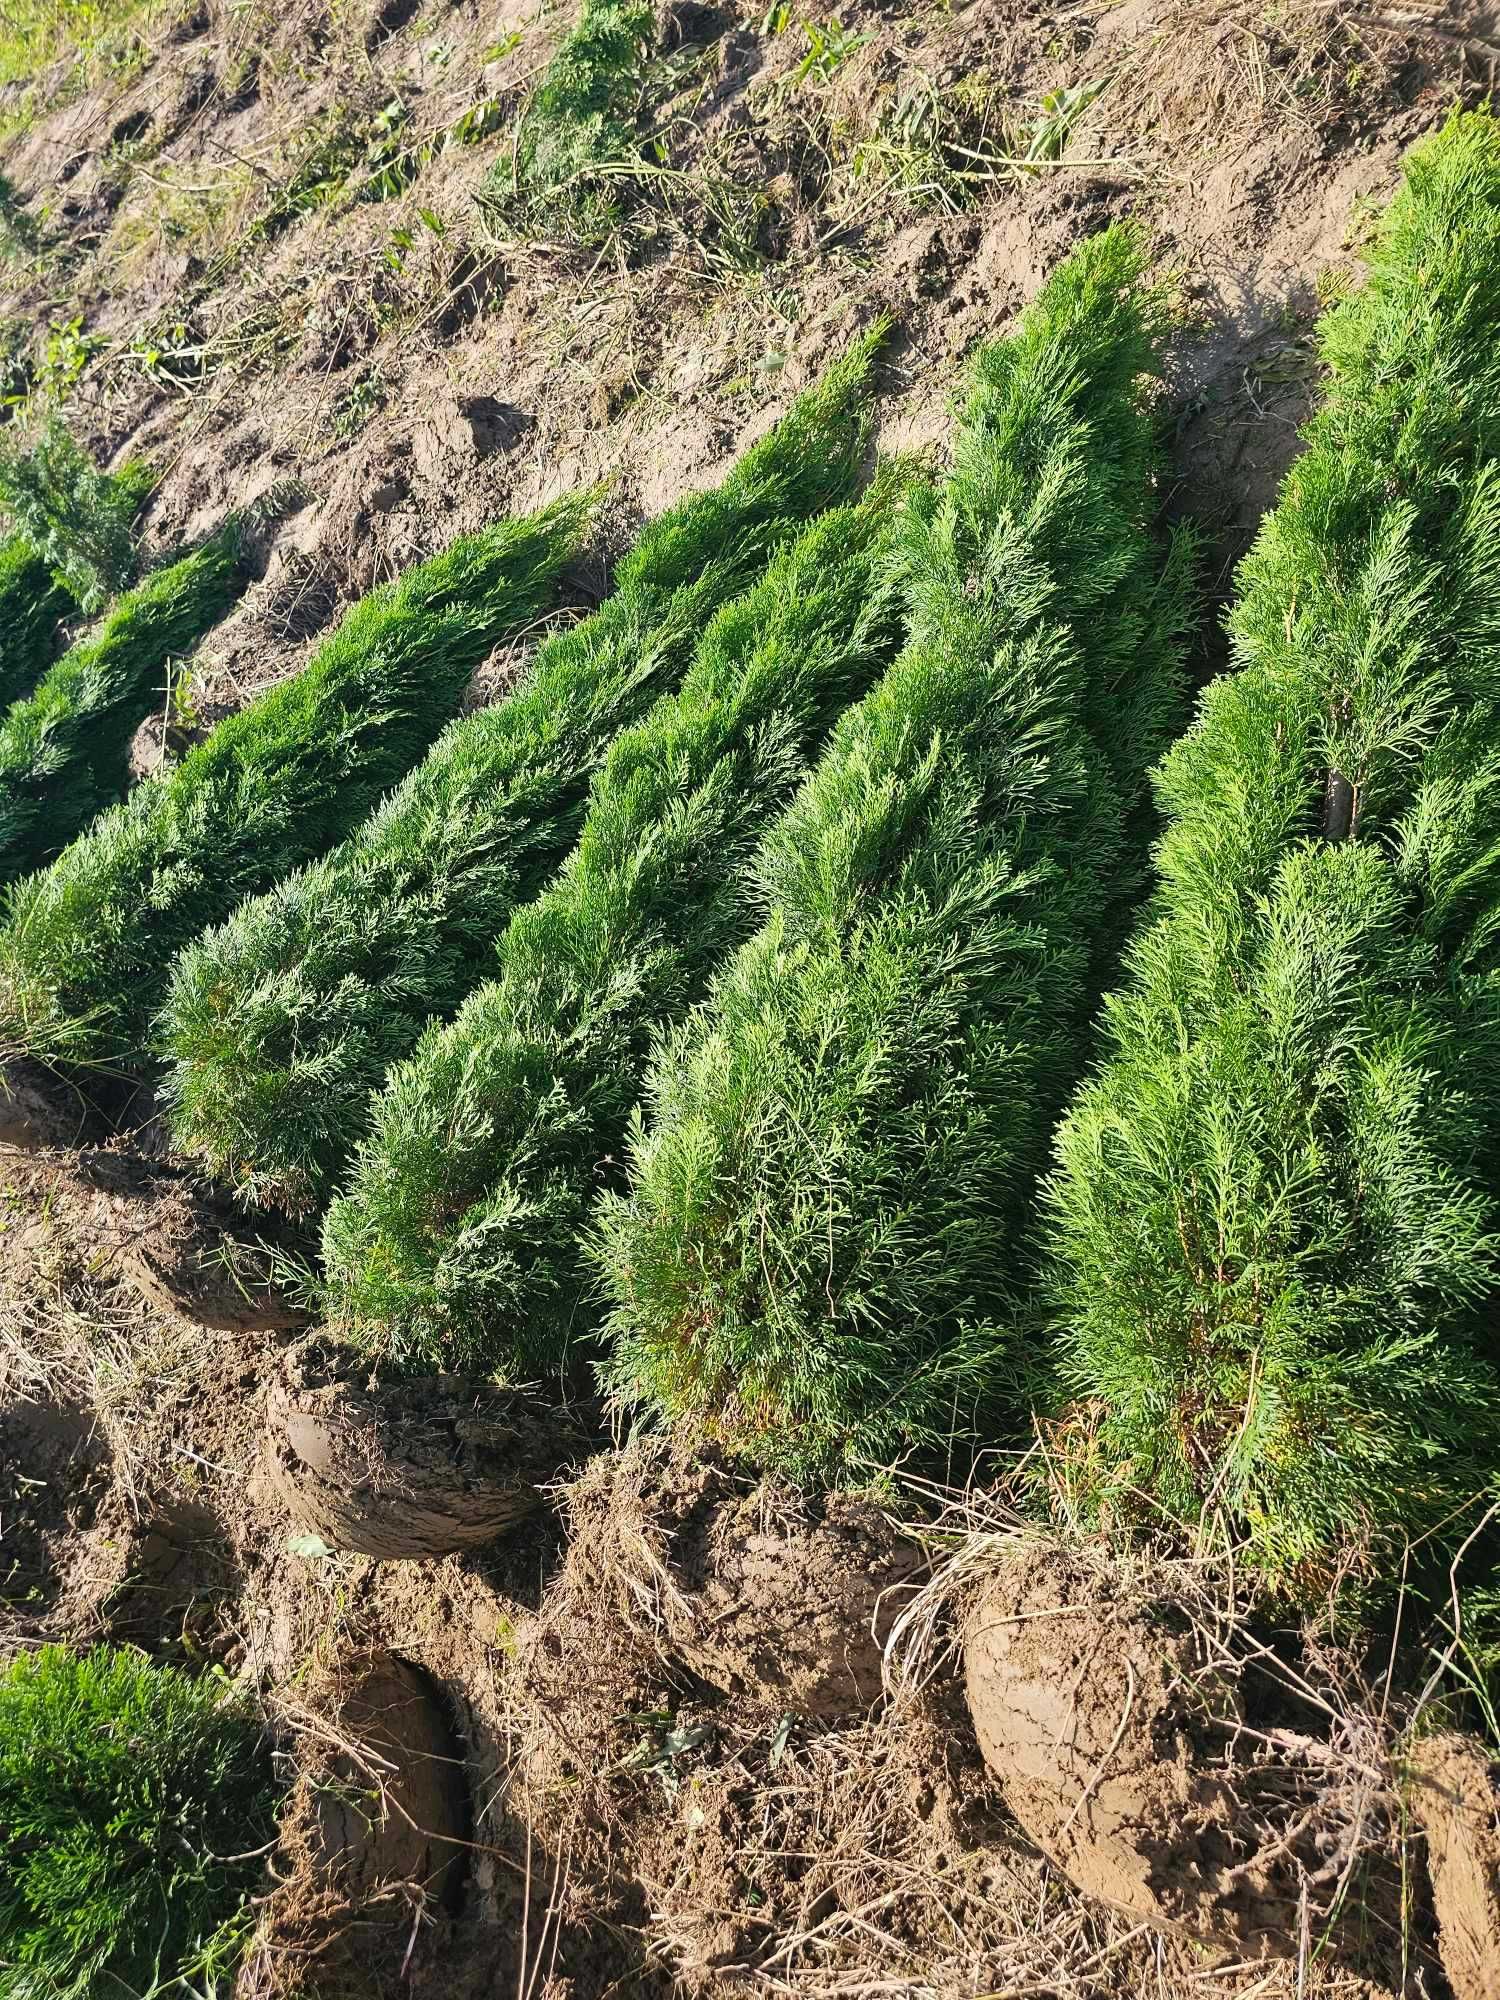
579,125
829,1194
458,1243
64,749
280,1025
122,1784
76,517
32,604
1272,1225
42,562
88,946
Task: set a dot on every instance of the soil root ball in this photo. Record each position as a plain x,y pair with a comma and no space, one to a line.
1456,1802
375,1833
36,1109
1112,1735
412,1468
762,1592
189,1256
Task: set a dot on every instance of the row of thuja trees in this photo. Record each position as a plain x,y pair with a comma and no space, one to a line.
749,1008
778,1006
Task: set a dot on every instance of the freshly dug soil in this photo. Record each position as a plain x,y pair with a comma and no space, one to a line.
1108,1734
155,1573
36,1111
1456,1801
53,1469
373,1838
179,1247
407,1469
762,1592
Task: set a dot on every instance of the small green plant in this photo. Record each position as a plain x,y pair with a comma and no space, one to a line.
76,518
88,945
829,46
63,750
1273,1237
578,139
19,233
135,1806
834,1182
359,402
280,1025
1060,110
457,1245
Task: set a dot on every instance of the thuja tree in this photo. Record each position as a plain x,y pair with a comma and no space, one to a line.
828,1196
457,1244
279,1025
87,946
77,518
32,604
134,1805
578,132
40,565
1272,1226
64,749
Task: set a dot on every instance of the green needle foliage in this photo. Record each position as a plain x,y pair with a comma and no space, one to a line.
578,130
76,518
122,1784
280,1025
88,946
831,1192
458,1244
39,569
1273,1217
32,604
64,750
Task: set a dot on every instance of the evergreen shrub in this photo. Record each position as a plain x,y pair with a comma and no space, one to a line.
1273,1223
457,1245
87,947
831,1190
64,749
77,518
133,1805
280,1024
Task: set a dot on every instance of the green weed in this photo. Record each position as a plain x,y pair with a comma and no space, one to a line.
579,136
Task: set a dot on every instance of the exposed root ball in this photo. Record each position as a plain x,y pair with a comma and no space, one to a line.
36,1110
1457,1805
762,1592
120,1214
187,1257
410,1468
374,1837
1109,1731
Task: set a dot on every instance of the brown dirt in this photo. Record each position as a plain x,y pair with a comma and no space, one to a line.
407,1469
1163,1776
179,1244
54,1467
374,1837
760,1590
1455,1799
